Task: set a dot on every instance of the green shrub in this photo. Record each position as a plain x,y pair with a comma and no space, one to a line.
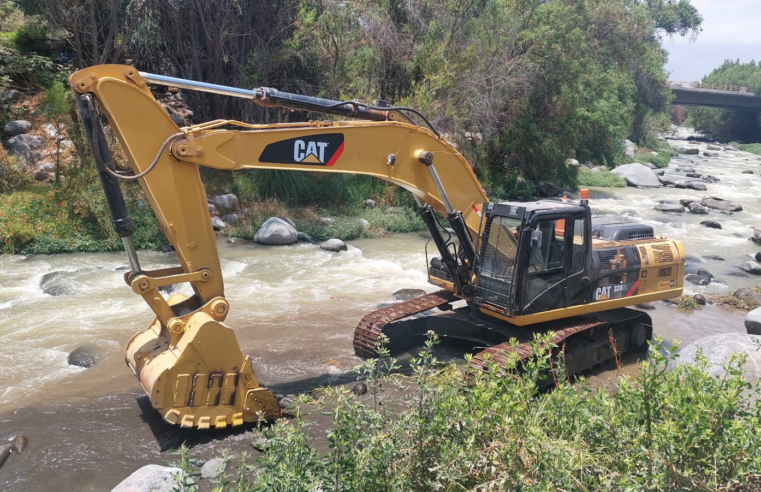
602,179
30,38
752,148
678,429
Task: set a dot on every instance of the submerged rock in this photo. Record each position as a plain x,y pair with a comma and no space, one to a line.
276,231
697,208
303,236
751,267
408,294
719,348
711,224
638,175
711,154
55,284
758,256
721,204
334,245
669,207
84,356
699,299
698,279
688,150
153,478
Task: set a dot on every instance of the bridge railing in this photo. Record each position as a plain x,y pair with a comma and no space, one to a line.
715,87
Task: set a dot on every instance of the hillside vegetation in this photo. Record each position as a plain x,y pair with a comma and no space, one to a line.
519,86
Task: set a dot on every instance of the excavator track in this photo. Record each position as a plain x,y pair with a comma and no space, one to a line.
371,327
584,340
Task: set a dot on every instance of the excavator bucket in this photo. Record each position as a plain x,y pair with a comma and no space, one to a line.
199,378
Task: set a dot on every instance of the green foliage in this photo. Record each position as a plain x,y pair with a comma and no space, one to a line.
687,303
24,70
31,37
731,124
602,178
677,429
752,148
665,153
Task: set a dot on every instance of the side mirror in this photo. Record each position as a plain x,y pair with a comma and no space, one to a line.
536,239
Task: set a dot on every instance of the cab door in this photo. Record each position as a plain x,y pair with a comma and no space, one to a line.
557,261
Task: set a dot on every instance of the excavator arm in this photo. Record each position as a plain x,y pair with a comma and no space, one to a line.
188,362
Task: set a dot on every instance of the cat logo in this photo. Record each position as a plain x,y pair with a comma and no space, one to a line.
602,293
314,150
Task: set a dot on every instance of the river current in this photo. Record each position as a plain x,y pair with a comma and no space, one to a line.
294,309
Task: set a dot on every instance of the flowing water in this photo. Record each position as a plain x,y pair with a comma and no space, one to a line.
294,309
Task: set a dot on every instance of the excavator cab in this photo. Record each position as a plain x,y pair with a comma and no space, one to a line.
534,257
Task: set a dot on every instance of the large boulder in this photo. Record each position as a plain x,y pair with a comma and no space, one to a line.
547,189
669,207
697,208
753,322
231,219
276,231
152,478
84,356
17,127
688,150
226,202
719,348
698,279
56,284
638,175
10,95
721,204
334,245
33,142
751,267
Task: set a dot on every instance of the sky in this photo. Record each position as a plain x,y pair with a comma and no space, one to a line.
731,30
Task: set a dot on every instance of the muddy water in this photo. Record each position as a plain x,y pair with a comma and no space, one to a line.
294,309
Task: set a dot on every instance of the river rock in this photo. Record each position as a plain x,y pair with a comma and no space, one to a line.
217,224
729,147
334,245
10,95
213,468
276,231
721,204
637,175
711,224
364,223
408,294
756,238
688,150
226,202
303,236
694,175
685,170
669,207
758,256
746,294
17,127
359,389
547,189
718,349
83,357
40,175
651,166
713,147
703,271
699,299
666,181
698,279
48,167
751,267
711,154
697,208
152,478
369,203
686,201
571,162
212,207
747,171
660,172
55,284
629,148
231,219
753,322
32,141
691,185
713,257
165,248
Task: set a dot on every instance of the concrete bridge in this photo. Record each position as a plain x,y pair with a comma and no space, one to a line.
715,96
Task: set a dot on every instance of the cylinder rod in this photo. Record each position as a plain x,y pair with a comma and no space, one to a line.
197,86
129,247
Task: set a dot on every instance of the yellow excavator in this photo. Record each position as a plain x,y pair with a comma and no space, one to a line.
521,267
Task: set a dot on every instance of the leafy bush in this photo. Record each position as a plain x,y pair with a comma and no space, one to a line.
752,148
30,37
602,178
663,429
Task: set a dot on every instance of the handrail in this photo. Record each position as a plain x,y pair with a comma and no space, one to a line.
715,87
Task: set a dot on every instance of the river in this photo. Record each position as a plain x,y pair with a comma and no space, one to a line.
294,310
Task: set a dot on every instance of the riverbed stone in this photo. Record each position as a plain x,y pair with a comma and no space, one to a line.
370,203
747,171
226,202
334,245
637,175
547,189
407,294
231,219
84,356
711,154
697,208
17,127
55,284
746,294
703,271
713,257
711,224
700,299
686,201
359,389
758,256
713,147
660,172
718,349
152,478
669,207
753,322
694,175
685,170
751,267
218,224
276,231
666,181
698,279
303,236
721,204
213,468
756,237
688,150
691,185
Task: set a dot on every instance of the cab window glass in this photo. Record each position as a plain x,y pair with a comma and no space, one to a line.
577,253
549,254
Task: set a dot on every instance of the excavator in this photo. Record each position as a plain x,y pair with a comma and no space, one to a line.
507,270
